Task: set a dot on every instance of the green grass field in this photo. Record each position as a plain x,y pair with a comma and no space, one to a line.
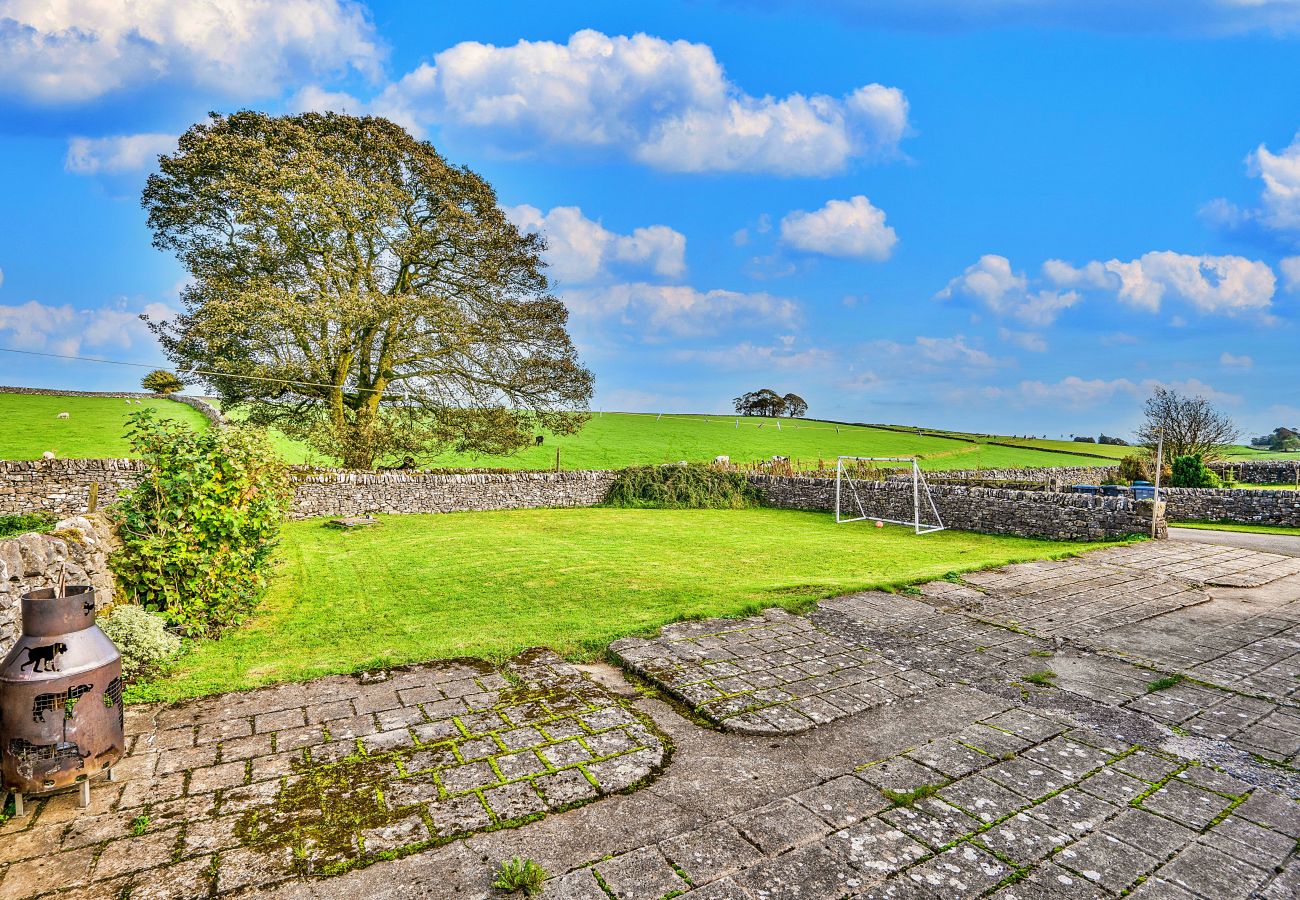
490,584
95,427
1233,526
615,440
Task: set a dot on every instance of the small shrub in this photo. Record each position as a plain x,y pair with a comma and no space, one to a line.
199,529
1134,468
139,825
1191,472
160,381
143,640
681,487
1042,678
520,875
21,524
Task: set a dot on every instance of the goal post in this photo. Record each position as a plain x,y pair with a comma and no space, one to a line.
852,506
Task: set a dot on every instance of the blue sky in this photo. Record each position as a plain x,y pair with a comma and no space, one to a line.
1010,216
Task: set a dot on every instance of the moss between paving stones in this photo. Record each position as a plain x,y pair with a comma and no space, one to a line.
323,808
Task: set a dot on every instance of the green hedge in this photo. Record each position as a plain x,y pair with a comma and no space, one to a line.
681,487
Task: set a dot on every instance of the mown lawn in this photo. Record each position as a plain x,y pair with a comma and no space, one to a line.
422,587
95,427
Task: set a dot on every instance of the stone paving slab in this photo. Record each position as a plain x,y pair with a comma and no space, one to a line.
248,790
769,674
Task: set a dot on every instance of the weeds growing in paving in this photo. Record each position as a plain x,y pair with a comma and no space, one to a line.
520,875
1161,684
911,797
1042,678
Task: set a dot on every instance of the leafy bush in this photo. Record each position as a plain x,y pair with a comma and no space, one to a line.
1134,468
143,640
25,522
1190,472
681,487
199,530
160,381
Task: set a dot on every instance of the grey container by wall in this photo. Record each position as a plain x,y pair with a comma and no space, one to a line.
61,716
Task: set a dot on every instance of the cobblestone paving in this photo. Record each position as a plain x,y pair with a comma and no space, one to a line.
970,745
251,789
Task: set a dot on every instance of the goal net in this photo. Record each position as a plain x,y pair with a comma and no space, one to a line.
868,488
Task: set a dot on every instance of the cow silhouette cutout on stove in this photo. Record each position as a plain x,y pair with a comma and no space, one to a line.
44,658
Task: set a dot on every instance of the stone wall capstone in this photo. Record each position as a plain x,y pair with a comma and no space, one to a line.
77,548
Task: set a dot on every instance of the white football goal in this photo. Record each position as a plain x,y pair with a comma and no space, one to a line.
861,493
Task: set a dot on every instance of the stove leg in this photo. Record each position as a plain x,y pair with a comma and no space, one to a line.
84,800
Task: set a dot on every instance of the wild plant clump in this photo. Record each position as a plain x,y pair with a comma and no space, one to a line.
681,487
199,529
520,875
143,640
22,523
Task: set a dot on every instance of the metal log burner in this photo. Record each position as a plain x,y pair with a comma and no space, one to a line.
61,719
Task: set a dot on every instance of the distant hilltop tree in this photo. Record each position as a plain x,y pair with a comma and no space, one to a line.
356,290
1280,440
160,381
1113,441
1189,426
767,402
1083,439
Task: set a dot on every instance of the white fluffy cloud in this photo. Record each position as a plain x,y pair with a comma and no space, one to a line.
935,353
67,330
1001,289
680,309
1215,285
116,154
850,228
1235,361
56,51
1280,173
665,103
1291,274
1226,285
582,250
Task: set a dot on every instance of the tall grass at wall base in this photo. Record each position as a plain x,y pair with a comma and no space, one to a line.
681,487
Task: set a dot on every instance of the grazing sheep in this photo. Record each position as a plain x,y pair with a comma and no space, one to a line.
139,402
722,460
48,454
127,401
62,416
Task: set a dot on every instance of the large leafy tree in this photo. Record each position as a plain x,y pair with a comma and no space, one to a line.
356,290
1190,424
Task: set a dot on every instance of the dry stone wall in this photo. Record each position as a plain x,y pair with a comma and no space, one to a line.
62,486
1262,471
76,548
1250,507
343,493
1057,516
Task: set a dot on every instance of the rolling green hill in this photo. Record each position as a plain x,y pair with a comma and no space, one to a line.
95,427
